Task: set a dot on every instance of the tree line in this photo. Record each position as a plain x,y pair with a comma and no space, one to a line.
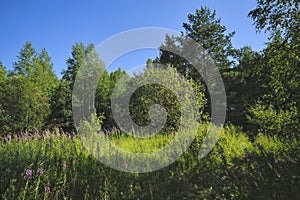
262,87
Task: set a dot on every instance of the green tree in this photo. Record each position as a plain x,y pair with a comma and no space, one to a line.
79,55
282,77
106,86
169,95
28,90
37,67
278,16
23,103
61,107
43,74
2,73
3,119
204,28
102,101
83,58
24,65
245,82
281,62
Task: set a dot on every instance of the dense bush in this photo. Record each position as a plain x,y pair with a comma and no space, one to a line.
182,99
275,122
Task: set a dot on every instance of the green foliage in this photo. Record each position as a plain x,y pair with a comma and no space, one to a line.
36,67
235,169
282,61
24,65
24,105
204,28
42,73
173,95
84,59
277,109
61,108
26,93
273,121
90,125
106,86
274,16
262,87
244,83
2,73
270,77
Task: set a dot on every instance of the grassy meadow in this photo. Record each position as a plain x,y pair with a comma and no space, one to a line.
56,165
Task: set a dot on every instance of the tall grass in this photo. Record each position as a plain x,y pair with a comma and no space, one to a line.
56,165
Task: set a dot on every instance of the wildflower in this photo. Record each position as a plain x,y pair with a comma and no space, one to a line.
28,173
48,189
47,133
56,130
40,170
276,161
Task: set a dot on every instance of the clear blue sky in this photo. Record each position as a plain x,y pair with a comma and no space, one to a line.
57,24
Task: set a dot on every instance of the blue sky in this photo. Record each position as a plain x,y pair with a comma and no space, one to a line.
56,25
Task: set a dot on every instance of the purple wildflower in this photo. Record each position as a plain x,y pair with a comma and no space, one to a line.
56,130
40,170
48,189
276,161
47,133
28,173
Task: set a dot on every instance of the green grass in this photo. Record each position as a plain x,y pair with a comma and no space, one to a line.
236,168
142,145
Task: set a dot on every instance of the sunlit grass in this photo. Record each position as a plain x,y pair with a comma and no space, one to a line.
70,171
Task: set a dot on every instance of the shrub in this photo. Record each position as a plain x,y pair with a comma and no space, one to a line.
270,121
